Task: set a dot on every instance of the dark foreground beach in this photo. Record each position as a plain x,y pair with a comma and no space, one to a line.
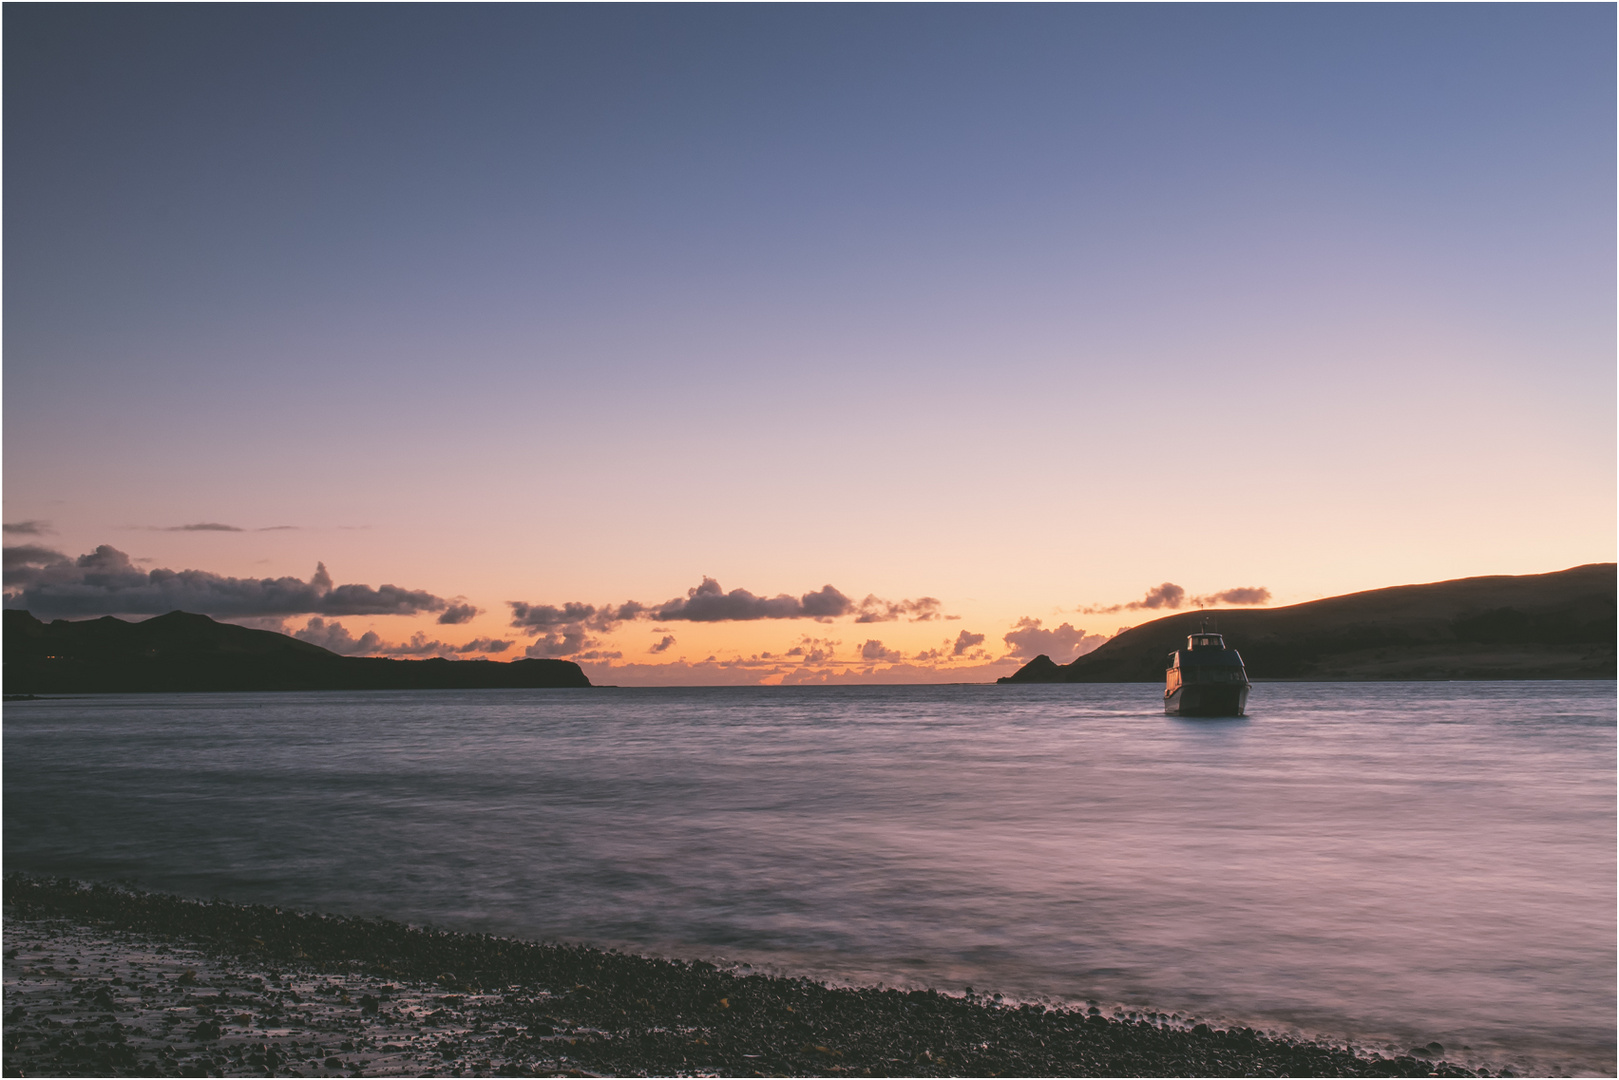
103,981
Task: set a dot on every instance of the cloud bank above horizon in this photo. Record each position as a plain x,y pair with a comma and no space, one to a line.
107,582
567,630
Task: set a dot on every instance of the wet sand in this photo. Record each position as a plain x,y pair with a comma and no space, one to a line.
101,981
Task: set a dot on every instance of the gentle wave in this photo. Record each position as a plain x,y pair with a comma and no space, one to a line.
1385,863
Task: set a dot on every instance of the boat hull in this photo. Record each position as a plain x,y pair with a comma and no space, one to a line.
1206,700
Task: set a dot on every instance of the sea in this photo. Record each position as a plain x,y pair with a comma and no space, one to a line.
1389,864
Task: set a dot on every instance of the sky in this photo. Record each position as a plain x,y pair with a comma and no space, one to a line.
798,343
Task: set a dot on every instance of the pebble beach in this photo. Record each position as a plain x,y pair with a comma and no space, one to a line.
108,981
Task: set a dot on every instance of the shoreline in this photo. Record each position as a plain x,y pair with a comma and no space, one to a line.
102,981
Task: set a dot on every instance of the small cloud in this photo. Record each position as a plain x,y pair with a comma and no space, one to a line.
873,650
814,650
335,637
27,528
1168,595
536,617
664,645
1248,595
567,643
709,602
276,528
456,614
1027,639
484,644
874,609
964,642
201,526
418,645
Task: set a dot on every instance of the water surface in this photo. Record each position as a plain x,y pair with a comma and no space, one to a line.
1379,862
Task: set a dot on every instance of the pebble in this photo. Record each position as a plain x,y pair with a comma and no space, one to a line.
172,987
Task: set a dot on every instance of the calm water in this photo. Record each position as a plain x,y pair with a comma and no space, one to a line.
1400,862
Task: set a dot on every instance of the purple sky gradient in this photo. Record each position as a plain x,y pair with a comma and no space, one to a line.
1025,308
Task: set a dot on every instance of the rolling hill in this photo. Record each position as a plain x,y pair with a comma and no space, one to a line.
1533,626
181,651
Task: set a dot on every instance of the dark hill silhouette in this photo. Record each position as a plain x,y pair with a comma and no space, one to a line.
1534,626
181,651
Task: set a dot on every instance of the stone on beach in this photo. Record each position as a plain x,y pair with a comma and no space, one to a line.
175,987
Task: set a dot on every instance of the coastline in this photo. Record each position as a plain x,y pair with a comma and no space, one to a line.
102,980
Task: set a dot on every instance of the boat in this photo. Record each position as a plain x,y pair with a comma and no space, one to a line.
1205,678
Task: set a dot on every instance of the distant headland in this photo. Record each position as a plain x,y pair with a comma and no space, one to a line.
1533,626
184,652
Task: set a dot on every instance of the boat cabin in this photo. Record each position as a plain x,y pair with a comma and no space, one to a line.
1205,659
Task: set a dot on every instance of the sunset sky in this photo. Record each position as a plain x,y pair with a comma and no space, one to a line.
982,316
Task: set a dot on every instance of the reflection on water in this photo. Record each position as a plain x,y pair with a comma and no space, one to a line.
1399,861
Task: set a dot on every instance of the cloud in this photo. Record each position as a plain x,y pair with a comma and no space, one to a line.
23,561
1168,595
336,637
609,616
709,602
664,645
814,650
201,526
1173,597
1247,595
456,614
418,645
567,643
873,609
965,641
27,528
1027,639
107,582
484,644
276,528
566,629
873,650
535,617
